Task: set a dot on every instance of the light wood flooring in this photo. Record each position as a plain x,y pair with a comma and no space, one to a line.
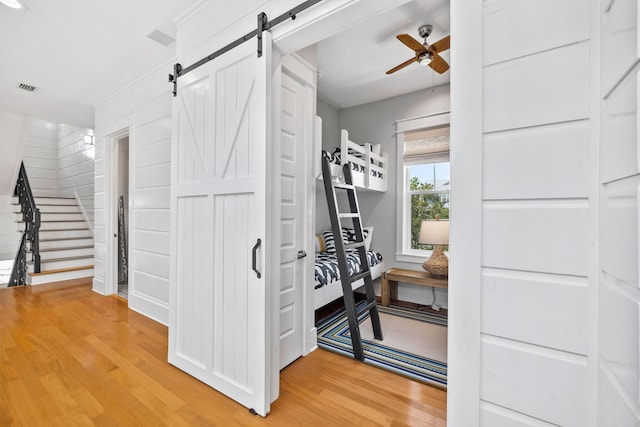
69,356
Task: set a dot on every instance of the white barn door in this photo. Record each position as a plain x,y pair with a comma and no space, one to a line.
219,328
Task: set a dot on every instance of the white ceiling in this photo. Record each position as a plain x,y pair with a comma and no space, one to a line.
352,64
77,53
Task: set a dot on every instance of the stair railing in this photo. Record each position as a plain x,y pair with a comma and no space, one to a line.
31,234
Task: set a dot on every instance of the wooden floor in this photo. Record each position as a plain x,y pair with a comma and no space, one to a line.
69,356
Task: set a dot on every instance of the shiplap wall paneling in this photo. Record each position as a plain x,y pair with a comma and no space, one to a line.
535,215
150,149
510,299
514,374
40,156
619,301
76,167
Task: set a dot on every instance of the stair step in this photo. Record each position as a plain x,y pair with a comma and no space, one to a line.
60,275
50,200
47,244
57,225
72,251
348,215
53,216
61,263
51,209
72,233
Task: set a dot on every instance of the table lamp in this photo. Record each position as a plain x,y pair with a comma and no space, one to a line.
435,232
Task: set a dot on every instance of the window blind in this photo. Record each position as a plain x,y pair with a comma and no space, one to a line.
427,146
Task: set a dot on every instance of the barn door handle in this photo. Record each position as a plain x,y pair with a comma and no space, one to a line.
253,258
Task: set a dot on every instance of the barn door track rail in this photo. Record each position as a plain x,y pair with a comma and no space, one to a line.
263,25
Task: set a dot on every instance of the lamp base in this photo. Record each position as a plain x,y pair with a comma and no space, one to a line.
437,264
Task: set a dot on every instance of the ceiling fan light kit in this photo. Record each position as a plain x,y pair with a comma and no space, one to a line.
425,53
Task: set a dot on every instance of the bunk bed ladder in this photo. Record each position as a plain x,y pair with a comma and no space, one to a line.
354,313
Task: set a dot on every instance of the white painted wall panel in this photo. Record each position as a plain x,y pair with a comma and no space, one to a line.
619,239
620,352
539,162
515,29
150,241
536,236
620,37
37,173
41,154
151,198
76,168
544,384
613,411
145,107
511,299
151,263
153,220
549,87
153,286
619,147
153,154
153,176
496,416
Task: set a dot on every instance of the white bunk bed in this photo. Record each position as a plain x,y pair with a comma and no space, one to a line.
369,169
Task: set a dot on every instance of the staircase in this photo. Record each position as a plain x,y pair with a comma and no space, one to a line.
66,241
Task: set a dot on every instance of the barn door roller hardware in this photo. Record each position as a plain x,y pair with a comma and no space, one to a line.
263,25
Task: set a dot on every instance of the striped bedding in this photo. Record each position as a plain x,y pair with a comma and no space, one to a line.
327,271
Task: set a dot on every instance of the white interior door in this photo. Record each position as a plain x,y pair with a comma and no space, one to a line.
292,225
219,327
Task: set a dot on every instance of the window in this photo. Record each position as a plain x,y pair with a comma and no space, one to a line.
424,182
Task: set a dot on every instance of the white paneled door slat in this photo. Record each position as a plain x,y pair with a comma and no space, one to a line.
218,327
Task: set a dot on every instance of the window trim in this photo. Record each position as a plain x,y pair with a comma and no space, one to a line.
404,253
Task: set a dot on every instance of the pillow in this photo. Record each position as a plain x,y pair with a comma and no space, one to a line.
329,243
368,236
320,247
350,235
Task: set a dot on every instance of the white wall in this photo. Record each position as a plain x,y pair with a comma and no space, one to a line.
145,109
13,129
532,350
41,156
375,123
76,164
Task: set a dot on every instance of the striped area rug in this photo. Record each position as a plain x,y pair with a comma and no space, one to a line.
333,335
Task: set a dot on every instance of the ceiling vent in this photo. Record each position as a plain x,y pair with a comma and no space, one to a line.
28,88
161,37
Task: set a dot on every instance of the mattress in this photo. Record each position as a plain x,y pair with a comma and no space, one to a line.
327,271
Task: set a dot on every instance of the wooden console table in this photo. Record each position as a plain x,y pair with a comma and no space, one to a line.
391,277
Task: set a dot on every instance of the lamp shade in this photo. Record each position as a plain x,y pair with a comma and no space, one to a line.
434,232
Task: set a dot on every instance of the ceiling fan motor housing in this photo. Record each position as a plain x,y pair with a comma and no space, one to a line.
425,30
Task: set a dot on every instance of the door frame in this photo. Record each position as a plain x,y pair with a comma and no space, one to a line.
296,68
332,16
111,207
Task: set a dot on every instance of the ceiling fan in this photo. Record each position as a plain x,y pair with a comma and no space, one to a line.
426,53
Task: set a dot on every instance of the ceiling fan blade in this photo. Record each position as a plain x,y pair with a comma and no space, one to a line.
411,43
401,66
438,64
441,45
